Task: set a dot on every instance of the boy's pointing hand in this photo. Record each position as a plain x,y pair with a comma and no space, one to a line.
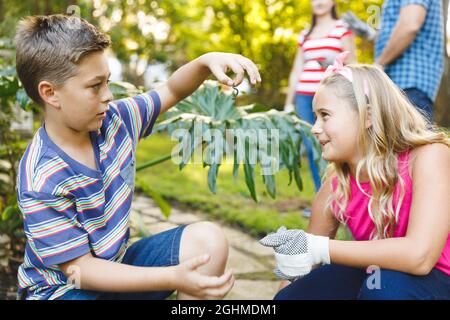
220,63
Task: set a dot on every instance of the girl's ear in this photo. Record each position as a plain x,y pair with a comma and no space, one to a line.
368,123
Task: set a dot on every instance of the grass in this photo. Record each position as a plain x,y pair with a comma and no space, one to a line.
189,189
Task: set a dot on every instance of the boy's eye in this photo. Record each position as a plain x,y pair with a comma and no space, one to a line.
97,86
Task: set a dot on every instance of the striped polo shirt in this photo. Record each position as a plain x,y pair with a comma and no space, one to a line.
318,49
70,209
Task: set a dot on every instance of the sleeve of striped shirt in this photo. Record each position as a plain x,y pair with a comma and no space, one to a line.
51,224
139,114
424,3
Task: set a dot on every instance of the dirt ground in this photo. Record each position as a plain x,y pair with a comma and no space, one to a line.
8,283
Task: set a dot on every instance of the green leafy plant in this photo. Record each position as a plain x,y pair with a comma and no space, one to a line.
209,108
12,146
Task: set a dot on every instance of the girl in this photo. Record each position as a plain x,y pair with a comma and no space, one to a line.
317,46
388,180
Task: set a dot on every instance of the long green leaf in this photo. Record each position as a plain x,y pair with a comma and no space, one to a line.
249,171
212,177
269,181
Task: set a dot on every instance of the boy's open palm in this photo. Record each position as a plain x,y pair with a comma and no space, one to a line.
194,283
183,82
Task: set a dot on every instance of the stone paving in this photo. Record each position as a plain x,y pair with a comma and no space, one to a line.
251,262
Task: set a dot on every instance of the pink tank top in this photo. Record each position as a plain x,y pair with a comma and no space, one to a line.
357,214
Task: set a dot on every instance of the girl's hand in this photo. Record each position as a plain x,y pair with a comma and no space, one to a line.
220,63
296,251
192,282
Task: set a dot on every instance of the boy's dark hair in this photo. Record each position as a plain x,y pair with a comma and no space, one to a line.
50,47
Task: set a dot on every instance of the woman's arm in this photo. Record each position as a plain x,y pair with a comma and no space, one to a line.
428,226
348,43
293,76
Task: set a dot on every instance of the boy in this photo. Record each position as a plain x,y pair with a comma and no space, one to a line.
76,178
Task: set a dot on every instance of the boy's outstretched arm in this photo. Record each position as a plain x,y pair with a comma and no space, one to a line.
184,81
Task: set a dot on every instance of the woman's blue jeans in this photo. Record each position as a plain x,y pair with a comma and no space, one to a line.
303,106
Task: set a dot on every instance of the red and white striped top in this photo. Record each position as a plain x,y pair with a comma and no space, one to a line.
318,49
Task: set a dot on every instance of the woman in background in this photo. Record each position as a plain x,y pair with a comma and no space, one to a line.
317,48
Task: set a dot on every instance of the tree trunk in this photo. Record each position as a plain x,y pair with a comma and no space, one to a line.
48,7
442,114
37,7
2,8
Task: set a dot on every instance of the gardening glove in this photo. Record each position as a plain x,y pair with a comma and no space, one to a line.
359,27
296,252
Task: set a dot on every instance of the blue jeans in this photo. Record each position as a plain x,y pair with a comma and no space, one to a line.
338,282
303,106
421,101
160,250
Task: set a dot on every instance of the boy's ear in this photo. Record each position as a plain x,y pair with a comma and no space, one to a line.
48,95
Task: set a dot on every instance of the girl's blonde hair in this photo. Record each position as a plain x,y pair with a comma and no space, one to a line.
396,126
